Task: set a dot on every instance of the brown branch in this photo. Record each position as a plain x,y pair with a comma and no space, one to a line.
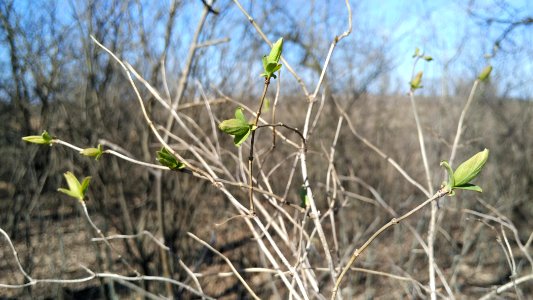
441,193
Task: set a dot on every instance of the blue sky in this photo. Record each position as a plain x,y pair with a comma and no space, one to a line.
440,27
437,27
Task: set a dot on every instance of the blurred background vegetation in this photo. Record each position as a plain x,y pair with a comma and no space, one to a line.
53,77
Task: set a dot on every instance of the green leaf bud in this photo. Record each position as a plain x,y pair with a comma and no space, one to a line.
469,169
485,73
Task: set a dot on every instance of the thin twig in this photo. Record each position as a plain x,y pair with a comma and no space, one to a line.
461,121
99,232
15,254
433,212
233,269
381,153
147,117
422,143
298,132
392,222
132,236
252,141
507,286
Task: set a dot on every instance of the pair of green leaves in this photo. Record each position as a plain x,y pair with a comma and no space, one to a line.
468,170
271,62
239,128
168,159
75,188
421,55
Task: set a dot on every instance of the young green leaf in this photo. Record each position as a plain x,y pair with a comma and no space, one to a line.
234,126
417,52
241,138
428,58
168,159
43,139
272,67
75,188
239,115
416,82
239,128
485,73
450,184
469,169
275,53
85,184
271,62
265,62
469,187
93,152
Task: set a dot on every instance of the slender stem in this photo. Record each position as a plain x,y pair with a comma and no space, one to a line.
131,236
61,142
226,259
507,286
147,118
134,161
421,142
461,121
392,222
86,212
15,254
298,132
251,156
379,152
433,214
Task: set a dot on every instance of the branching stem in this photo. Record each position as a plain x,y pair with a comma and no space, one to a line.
441,193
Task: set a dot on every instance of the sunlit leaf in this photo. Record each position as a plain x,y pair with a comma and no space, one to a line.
85,184
68,193
239,115
265,61
417,52
93,152
275,52
43,139
469,169
271,62
234,126
417,81
75,188
239,128
485,73
469,187
72,182
239,139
